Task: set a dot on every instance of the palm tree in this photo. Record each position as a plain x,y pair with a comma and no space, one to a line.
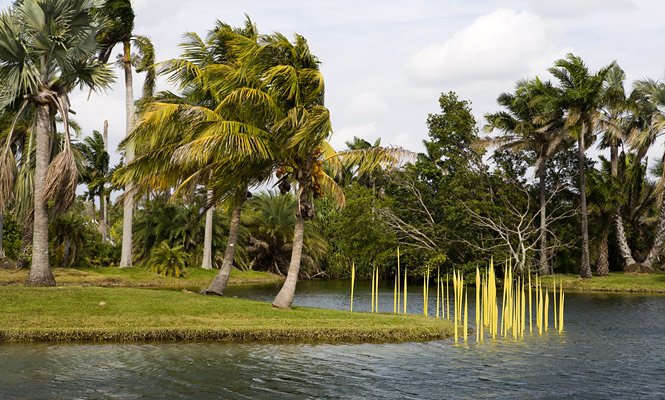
269,220
119,30
95,172
581,97
46,48
289,73
527,124
654,91
205,137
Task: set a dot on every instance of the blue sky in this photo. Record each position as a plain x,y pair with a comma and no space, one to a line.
386,62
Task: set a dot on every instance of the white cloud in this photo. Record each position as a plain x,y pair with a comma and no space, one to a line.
341,136
577,8
496,46
366,103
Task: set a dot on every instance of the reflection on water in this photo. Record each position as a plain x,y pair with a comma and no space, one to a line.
613,347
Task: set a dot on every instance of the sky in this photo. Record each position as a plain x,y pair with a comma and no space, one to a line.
385,63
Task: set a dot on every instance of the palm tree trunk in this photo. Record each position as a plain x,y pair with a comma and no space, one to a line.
102,216
40,271
585,269
126,258
26,243
602,260
218,284
647,264
285,296
207,240
624,247
102,197
543,268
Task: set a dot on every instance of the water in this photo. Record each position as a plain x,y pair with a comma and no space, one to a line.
613,347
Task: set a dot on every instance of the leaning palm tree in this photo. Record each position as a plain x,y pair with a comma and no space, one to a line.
581,97
528,124
654,91
45,51
119,30
206,136
289,74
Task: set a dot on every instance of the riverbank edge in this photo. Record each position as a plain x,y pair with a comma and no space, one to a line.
75,314
615,282
334,336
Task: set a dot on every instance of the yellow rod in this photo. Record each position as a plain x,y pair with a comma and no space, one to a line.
547,308
438,279
405,291
466,319
353,279
372,306
376,296
398,282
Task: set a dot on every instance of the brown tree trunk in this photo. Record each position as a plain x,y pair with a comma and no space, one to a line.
647,264
218,284
102,196
602,260
285,296
544,267
207,240
126,257
40,271
624,247
585,269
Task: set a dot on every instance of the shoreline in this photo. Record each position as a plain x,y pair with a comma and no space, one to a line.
75,314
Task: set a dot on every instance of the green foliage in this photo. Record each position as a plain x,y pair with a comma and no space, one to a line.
268,220
168,261
11,236
177,224
357,234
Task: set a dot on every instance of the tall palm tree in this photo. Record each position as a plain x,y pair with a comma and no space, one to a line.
581,97
95,172
205,137
527,124
45,51
289,73
616,124
119,30
654,91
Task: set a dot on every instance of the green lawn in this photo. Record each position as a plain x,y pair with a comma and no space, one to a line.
136,277
74,313
615,282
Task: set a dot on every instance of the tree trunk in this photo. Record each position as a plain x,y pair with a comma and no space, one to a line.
102,197
40,271
126,258
26,243
647,264
624,248
602,260
207,241
614,159
285,296
543,268
218,284
585,269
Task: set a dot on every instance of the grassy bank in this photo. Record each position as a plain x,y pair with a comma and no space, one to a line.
136,277
615,282
74,313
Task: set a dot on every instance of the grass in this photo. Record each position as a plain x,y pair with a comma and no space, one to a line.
136,277
73,313
615,282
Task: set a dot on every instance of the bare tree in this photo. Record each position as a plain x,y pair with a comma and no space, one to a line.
519,231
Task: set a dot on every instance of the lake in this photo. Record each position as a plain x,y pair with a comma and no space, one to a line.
613,347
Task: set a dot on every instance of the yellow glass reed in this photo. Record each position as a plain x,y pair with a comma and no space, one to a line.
353,279
554,302
399,288
376,288
466,309
530,312
372,305
405,294
547,308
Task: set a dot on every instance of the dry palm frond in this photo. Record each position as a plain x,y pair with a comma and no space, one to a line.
7,176
61,181
330,187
